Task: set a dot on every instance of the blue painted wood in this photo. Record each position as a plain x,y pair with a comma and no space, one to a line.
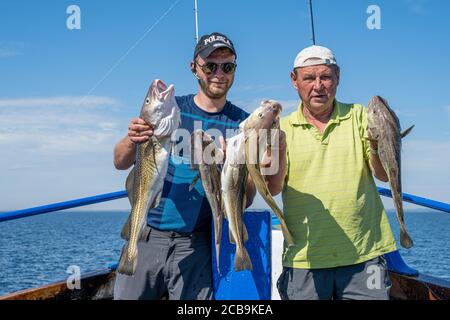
18,214
245,285
442,206
396,264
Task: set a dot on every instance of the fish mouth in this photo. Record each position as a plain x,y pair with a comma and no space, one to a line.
161,90
275,107
378,99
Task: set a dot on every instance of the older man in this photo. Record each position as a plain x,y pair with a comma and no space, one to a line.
175,259
330,200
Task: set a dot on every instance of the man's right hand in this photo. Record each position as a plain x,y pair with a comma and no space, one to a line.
139,131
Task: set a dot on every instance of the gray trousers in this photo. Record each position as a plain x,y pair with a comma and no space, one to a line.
364,281
170,265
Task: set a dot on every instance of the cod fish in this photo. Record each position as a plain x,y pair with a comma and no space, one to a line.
234,180
145,181
266,116
204,153
384,127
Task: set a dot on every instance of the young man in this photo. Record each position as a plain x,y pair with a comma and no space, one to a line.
330,200
175,261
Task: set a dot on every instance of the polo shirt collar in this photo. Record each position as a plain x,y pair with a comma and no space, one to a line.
339,114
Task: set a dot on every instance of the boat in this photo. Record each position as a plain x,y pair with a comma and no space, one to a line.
407,283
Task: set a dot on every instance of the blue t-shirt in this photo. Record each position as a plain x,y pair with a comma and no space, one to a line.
182,210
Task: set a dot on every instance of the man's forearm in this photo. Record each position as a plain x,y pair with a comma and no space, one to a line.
124,153
375,164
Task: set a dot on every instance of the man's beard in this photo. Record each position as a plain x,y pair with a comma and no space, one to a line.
210,94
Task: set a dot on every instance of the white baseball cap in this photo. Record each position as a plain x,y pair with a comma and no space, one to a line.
314,55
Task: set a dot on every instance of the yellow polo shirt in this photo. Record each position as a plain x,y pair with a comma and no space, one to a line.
330,200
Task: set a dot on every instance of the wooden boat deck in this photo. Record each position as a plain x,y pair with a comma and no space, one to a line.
99,285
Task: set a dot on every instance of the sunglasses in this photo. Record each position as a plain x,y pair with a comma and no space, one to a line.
211,67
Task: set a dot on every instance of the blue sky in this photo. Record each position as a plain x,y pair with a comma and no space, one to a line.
66,96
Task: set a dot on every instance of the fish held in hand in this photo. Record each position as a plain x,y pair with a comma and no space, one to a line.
384,127
233,183
258,130
145,181
205,157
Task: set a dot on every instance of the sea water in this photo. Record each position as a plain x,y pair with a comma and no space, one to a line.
38,250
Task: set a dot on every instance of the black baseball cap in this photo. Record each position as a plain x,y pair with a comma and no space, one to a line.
211,42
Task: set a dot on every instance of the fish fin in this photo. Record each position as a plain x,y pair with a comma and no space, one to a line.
242,124
144,233
244,229
218,258
230,235
405,239
372,136
222,205
263,190
407,131
242,260
244,232
127,265
194,182
129,186
156,201
151,149
126,229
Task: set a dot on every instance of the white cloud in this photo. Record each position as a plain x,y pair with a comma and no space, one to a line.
425,173
425,169
51,126
447,109
250,105
417,6
63,101
11,48
58,148
255,88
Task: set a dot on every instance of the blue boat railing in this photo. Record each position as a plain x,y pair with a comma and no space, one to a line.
424,202
394,259
19,214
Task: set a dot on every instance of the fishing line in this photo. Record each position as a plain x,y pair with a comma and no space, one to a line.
132,47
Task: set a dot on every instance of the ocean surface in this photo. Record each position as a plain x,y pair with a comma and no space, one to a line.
38,250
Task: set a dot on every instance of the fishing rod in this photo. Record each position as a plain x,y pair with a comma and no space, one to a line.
196,20
312,22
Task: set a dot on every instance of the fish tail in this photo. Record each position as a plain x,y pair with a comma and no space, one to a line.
127,261
405,239
125,234
218,258
242,260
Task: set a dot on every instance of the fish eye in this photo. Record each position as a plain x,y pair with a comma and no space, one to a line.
147,101
260,115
